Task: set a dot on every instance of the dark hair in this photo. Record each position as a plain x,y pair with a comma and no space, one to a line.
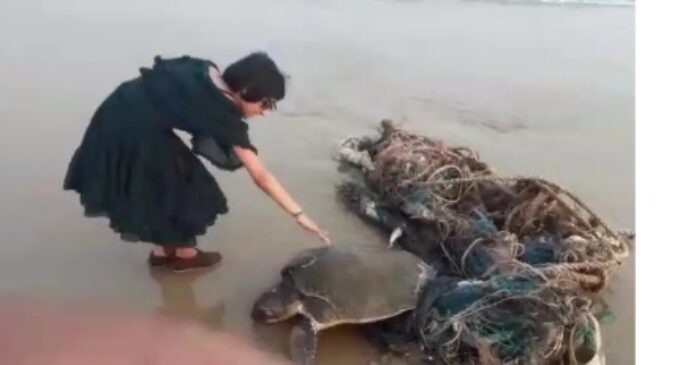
256,77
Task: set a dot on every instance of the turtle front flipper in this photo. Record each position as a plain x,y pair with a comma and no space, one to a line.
303,339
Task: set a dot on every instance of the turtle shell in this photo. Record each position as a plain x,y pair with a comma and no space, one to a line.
356,285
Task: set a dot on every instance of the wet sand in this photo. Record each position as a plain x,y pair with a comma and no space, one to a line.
537,90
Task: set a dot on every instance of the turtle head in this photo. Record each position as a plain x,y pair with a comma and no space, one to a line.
278,304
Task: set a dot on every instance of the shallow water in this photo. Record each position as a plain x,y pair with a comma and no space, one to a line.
537,90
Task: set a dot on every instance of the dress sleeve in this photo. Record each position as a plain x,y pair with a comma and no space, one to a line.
220,130
223,158
196,106
187,99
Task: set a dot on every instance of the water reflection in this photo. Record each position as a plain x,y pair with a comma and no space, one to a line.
179,299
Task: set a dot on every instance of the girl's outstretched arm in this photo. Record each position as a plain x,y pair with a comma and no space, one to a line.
270,185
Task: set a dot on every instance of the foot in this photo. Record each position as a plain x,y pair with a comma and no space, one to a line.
160,257
200,260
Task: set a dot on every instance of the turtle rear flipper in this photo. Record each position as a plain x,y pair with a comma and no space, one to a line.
303,340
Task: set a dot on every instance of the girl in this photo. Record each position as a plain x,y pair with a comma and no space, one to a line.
132,168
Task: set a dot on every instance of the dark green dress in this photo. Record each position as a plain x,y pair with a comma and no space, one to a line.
132,168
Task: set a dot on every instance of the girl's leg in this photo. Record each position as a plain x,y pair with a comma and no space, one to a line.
160,255
159,251
186,252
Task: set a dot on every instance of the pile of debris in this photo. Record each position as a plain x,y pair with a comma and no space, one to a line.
520,259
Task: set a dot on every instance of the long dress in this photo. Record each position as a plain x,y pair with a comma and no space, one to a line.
132,168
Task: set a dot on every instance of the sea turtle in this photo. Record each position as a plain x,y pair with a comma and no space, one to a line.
335,285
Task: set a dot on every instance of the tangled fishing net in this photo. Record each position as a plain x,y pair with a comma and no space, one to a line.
520,259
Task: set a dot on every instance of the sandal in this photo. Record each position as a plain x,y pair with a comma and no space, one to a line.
154,260
201,260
